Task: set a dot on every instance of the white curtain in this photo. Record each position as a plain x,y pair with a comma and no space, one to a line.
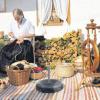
61,7
44,10
44,13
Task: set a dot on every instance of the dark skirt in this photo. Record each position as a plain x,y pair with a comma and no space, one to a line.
15,52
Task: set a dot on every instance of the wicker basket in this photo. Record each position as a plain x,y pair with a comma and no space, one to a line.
65,70
18,77
37,75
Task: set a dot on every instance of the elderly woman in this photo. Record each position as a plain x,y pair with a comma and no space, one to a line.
20,33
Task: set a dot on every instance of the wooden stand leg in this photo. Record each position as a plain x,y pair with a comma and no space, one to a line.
83,81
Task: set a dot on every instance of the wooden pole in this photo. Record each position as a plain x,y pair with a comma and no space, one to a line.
37,17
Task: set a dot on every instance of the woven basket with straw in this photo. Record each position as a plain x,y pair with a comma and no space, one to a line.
18,77
65,70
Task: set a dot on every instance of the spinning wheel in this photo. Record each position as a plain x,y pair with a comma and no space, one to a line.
90,62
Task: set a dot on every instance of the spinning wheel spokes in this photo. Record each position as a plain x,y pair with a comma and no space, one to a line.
92,60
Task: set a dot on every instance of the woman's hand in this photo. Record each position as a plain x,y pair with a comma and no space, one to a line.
11,34
20,40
